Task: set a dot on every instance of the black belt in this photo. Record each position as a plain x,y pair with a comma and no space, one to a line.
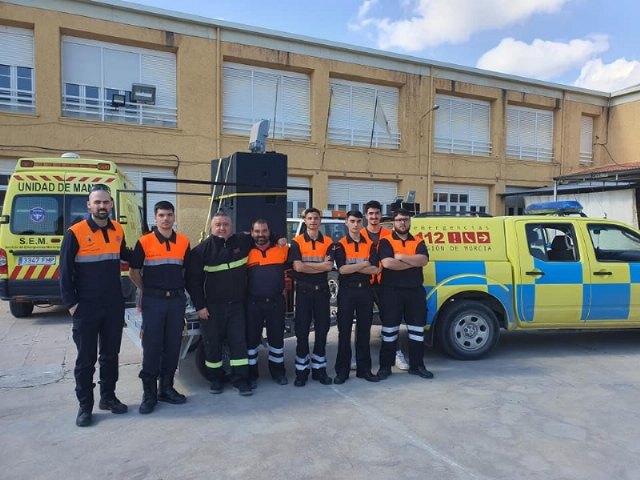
312,286
273,299
160,293
356,284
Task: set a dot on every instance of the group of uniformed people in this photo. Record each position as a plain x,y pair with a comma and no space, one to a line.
236,284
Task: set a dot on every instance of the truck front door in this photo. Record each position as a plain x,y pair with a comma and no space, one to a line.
550,290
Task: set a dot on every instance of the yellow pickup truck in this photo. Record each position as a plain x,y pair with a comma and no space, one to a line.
535,271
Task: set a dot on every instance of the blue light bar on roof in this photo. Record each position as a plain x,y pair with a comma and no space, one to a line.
565,207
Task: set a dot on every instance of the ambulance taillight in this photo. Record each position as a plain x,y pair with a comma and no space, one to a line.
3,262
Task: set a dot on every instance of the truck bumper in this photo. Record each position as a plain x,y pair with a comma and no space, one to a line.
37,291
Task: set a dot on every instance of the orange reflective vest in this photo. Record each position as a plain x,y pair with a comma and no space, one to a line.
384,232
411,277
92,245
266,271
156,252
270,256
356,252
313,250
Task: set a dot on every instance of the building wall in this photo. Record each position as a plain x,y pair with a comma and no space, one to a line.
202,48
620,142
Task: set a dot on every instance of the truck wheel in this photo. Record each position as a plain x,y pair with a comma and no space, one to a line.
20,309
468,330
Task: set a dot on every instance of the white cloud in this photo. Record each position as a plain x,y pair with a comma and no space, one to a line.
542,59
434,22
609,77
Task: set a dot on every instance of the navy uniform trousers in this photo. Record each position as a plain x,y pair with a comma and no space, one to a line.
399,303
162,327
97,333
267,312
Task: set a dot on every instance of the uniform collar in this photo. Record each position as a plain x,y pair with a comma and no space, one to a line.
95,227
307,238
351,240
396,237
162,239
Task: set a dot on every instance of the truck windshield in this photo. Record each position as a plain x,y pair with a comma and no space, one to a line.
47,214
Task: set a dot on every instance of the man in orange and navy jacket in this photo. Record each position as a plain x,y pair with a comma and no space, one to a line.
265,301
357,261
312,256
157,268
90,257
402,257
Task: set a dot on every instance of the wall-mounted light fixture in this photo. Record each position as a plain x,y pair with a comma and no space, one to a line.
118,100
143,93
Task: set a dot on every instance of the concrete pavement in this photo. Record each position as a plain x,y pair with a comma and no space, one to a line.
543,406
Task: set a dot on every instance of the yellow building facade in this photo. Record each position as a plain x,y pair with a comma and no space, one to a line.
356,124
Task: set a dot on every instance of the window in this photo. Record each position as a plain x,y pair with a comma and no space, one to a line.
462,126
17,91
252,94
614,244
350,194
4,182
363,115
552,242
93,72
529,134
460,199
47,214
297,200
586,139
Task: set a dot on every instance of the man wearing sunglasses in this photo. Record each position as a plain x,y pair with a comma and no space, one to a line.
90,284
402,257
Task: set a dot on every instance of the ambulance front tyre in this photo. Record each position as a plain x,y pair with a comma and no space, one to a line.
20,309
469,330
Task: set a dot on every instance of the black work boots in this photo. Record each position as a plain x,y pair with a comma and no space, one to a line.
152,394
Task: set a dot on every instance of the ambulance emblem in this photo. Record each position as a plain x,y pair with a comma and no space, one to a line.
37,214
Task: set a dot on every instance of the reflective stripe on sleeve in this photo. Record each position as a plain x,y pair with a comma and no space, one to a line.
225,266
213,364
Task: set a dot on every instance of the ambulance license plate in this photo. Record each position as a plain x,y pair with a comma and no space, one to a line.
37,260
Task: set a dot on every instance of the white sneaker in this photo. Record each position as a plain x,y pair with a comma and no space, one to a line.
401,362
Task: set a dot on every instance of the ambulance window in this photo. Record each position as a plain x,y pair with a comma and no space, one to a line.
77,209
36,215
613,243
4,181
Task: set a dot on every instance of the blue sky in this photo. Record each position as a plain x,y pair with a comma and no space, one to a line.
586,43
